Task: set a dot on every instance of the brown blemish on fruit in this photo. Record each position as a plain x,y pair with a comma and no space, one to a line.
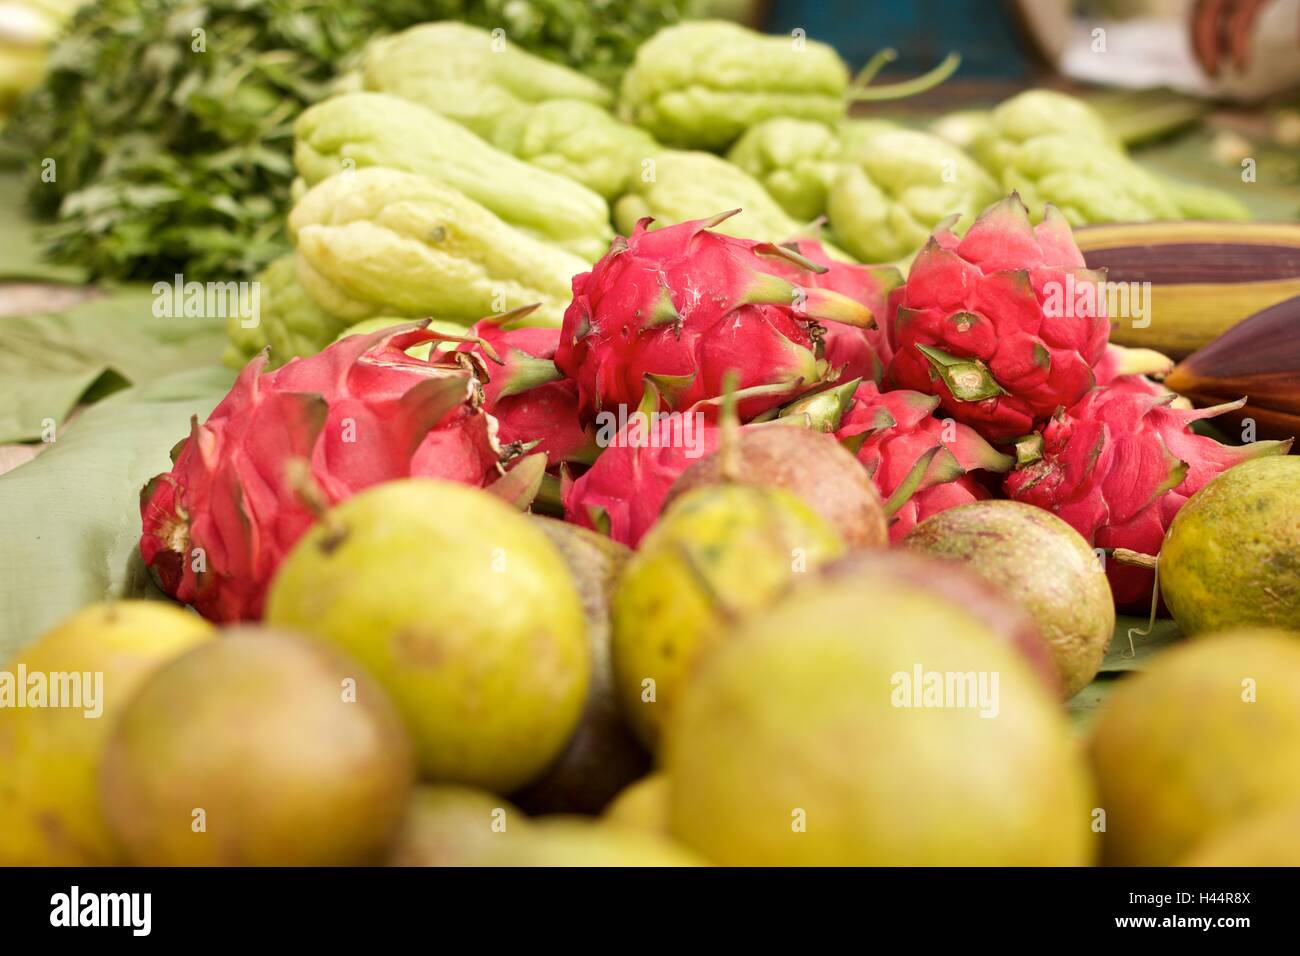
418,647
332,540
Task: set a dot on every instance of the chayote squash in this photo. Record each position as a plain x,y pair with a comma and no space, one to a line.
469,75
680,185
702,83
381,241
581,142
797,161
357,130
896,185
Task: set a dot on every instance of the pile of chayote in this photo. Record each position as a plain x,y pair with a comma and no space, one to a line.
454,175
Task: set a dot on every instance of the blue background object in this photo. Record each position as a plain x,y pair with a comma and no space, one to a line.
923,33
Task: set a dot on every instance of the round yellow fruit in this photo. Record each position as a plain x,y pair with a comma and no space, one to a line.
50,757
580,841
719,552
1207,736
1268,839
451,825
258,749
1231,557
462,609
868,722
643,805
1042,564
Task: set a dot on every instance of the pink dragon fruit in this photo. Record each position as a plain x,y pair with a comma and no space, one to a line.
363,411
1117,467
622,494
534,404
850,351
1004,324
680,307
921,464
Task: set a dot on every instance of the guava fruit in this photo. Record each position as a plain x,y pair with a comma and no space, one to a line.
602,756
812,466
717,554
1041,563
643,804
864,721
462,609
1206,736
580,841
961,586
1266,839
50,757
1231,557
451,825
262,748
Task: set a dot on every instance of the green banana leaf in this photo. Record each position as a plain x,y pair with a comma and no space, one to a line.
1081,709
1125,656
70,518
49,363
1121,658
1273,195
20,245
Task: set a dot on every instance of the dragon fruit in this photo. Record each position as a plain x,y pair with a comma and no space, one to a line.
921,464
622,494
247,483
1004,324
1117,466
680,307
532,401
850,351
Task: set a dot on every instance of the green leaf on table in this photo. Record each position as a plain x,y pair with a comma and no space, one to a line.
20,245
48,363
1121,658
70,518
1273,193
1081,709
1125,656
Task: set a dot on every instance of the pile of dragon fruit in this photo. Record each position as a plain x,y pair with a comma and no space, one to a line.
956,384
